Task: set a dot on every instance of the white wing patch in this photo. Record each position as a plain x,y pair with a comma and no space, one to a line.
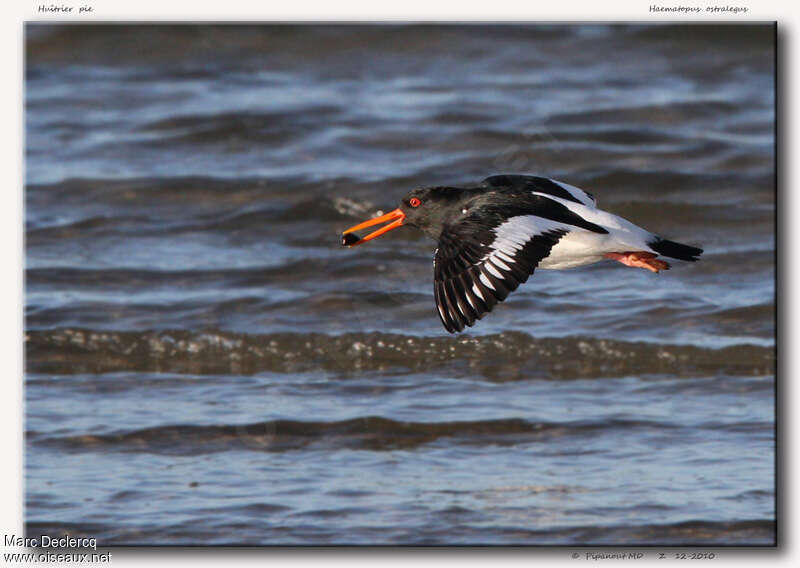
490,267
477,292
510,237
497,262
578,193
515,232
622,234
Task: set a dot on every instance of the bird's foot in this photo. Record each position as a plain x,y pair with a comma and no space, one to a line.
639,259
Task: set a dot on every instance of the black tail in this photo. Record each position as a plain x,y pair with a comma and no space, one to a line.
675,250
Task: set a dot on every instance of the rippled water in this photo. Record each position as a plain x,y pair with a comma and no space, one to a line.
206,364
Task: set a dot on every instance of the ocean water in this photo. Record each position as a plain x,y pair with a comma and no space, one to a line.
205,364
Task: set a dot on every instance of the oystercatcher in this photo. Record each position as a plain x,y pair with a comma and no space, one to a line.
492,237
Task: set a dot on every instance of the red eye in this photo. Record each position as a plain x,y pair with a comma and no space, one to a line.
414,202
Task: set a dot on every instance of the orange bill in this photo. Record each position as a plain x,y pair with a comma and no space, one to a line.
396,217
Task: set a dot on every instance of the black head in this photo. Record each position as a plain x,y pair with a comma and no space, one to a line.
431,208
426,208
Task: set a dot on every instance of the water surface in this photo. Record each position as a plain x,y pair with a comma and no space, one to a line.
206,365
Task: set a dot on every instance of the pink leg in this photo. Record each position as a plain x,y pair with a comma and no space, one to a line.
639,259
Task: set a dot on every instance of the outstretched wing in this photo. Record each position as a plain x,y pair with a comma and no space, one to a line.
476,267
542,185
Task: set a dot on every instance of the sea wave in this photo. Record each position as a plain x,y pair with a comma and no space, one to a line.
374,433
504,356
744,532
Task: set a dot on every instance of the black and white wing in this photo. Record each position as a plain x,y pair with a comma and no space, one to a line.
542,186
476,266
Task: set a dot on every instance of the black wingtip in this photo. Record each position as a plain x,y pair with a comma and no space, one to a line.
675,250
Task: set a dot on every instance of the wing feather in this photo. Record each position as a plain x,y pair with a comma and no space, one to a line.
476,266
542,185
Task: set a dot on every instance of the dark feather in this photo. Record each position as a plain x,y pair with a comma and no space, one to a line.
459,265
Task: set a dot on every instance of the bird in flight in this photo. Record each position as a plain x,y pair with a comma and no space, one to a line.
492,237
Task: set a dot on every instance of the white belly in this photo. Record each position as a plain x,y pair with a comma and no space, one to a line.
578,248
